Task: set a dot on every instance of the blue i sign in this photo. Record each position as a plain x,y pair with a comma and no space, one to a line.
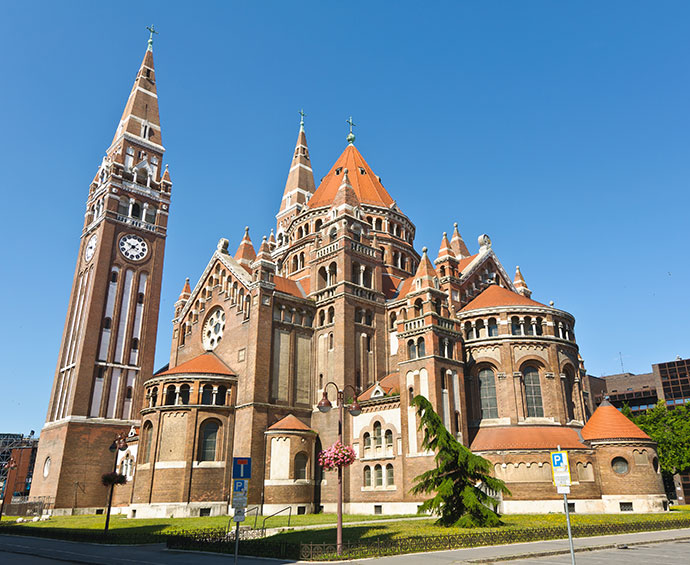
241,467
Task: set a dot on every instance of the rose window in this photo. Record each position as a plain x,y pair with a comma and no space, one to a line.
213,328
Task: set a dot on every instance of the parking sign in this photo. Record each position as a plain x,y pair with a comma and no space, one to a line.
560,468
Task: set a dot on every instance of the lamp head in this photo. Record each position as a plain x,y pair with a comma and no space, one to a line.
324,404
355,409
113,447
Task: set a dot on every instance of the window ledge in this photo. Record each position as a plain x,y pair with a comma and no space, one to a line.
208,464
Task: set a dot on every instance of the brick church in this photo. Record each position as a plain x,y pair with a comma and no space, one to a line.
338,297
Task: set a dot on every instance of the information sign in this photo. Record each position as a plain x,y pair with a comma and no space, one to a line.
241,467
239,515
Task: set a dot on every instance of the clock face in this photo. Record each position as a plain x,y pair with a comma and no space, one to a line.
90,248
133,247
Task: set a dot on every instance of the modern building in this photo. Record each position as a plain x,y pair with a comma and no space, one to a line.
337,298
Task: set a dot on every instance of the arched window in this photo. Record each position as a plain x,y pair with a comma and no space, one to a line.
330,341
331,315
417,307
393,319
568,385
154,396
136,210
323,278
170,394
389,442
107,322
529,329
480,328
367,476
135,344
469,334
378,224
515,326
378,476
146,444
369,318
540,329
317,225
411,349
140,298
184,394
220,395
535,409
333,234
332,274
390,475
301,461
123,206
487,394
322,317
493,327
378,439
368,344
421,347
113,277
367,442
207,394
207,441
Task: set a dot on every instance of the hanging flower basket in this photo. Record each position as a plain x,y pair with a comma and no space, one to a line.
336,456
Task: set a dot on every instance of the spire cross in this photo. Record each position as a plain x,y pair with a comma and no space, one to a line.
301,119
152,29
350,136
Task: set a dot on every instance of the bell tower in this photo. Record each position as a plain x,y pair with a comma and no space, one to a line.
109,339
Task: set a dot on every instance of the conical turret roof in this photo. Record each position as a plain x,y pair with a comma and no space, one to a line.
186,290
607,422
245,254
520,284
346,195
445,251
458,244
425,273
366,185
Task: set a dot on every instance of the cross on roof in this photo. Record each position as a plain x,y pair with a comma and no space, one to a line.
152,29
350,136
352,124
301,117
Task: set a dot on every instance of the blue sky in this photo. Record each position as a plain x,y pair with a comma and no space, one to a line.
558,128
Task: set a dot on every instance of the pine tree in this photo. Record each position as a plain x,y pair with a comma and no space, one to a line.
464,489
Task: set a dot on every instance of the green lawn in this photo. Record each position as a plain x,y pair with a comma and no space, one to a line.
122,526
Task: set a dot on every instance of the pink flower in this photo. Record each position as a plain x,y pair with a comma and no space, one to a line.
337,455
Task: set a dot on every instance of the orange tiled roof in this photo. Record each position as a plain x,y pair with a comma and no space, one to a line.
367,186
390,385
204,364
290,423
608,423
495,295
405,287
526,437
246,253
287,286
463,263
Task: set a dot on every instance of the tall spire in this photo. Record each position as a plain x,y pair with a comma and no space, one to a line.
300,182
446,250
140,119
458,244
426,273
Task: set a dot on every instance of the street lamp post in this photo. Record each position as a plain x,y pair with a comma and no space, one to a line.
354,409
11,464
120,443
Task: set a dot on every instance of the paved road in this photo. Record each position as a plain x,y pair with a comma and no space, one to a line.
674,548
661,553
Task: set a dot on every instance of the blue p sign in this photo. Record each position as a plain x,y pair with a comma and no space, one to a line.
557,459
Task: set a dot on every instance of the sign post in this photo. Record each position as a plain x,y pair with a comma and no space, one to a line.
561,478
241,473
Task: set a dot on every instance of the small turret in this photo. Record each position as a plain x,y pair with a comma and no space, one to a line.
445,252
458,245
520,284
245,254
